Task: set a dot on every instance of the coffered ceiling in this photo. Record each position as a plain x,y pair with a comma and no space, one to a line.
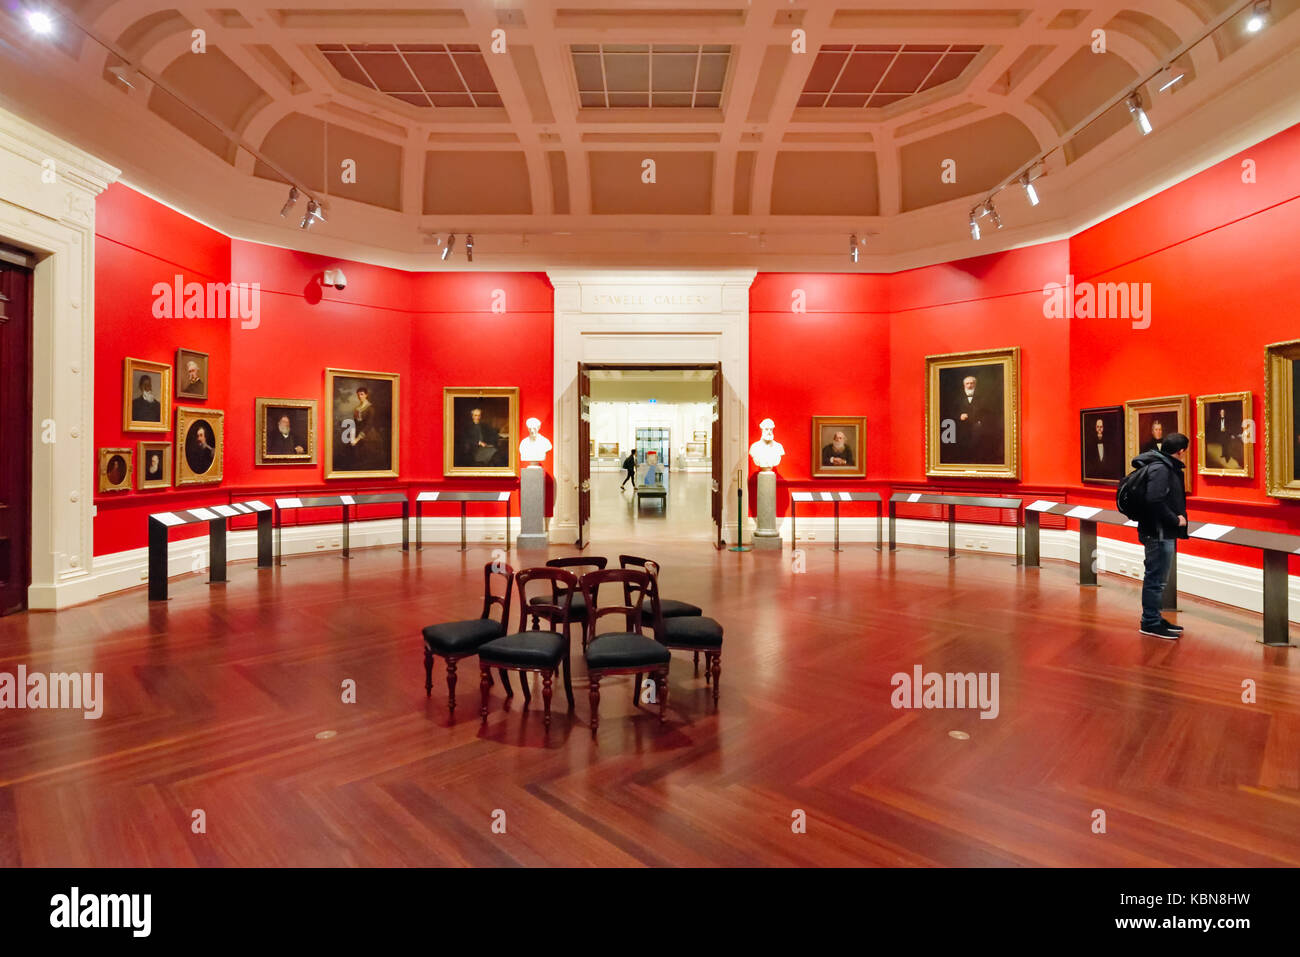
776,128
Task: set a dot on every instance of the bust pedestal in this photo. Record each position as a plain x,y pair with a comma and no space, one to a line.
532,508
766,535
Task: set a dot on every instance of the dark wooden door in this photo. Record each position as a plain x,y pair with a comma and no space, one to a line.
718,482
15,432
584,453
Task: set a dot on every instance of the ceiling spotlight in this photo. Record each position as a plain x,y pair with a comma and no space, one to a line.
1258,16
1134,103
469,247
974,226
1168,77
312,216
40,22
288,203
853,247
446,249
1030,193
993,214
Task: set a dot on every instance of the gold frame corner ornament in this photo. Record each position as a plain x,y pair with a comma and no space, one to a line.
1009,467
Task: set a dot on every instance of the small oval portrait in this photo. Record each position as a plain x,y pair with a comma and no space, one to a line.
200,447
116,469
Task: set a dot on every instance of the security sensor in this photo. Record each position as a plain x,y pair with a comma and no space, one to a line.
334,277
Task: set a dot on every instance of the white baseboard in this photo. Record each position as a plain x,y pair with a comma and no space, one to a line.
1226,582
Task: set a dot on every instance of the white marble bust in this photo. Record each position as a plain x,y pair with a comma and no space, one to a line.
534,447
767,451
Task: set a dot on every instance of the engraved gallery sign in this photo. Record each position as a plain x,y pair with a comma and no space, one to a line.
651,299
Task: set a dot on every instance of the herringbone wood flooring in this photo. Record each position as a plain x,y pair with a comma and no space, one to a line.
214,700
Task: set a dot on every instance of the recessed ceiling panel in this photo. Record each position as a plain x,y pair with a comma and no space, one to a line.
621,75
825,183
875,74
476,182
421,74
683,182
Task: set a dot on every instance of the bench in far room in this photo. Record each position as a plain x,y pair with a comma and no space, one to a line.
652,484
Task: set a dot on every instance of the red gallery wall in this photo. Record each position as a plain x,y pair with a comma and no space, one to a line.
433,329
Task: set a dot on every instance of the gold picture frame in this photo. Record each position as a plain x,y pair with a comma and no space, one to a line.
1281,454
983,444
1223,423
184,388
162,476
302,431
822,453
115,470
362,437
1140,417
197,429
495,451
134,402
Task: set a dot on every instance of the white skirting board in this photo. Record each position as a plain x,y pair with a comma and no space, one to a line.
1226,582
1219,581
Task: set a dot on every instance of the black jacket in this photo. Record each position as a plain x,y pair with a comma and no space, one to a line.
1166,498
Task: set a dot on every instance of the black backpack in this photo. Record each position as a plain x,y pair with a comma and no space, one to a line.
1131,496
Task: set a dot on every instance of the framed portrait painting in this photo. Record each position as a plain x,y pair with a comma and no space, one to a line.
361,419
286,431
478,426
1150,420
1225,437
837,446
154,461
972,414
115,470
1282,419
200,434
191,374
146,396
1102,448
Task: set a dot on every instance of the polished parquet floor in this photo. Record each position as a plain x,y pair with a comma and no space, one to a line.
215,700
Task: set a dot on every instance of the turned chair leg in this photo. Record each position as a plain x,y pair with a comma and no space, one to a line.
697,666
568,680
595,704
485,686
546,697
708,667
636,691
717,670
505,681
428,673
661,679
523,683
451,685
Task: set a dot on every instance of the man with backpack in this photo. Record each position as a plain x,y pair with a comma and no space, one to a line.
1154,495
629,466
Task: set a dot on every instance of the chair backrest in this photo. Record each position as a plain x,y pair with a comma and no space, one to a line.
637,586
563,586
646,564
597,562
507,576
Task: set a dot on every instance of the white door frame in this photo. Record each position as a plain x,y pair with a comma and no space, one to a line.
649,316
47,205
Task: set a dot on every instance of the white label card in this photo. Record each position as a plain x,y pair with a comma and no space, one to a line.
203,513
1211,532
1082,511
168,519
289,502
1042,505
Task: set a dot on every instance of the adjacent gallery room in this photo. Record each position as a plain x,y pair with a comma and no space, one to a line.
769,434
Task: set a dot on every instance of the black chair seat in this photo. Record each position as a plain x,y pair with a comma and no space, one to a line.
626,650
693,632
461,637
669,608
577,609
527,649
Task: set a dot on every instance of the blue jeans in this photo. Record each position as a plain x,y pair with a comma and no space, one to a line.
1160,555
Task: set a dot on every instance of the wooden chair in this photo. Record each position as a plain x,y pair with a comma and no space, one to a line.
454,640
669,607
544,652
578,611
692,633
627,652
